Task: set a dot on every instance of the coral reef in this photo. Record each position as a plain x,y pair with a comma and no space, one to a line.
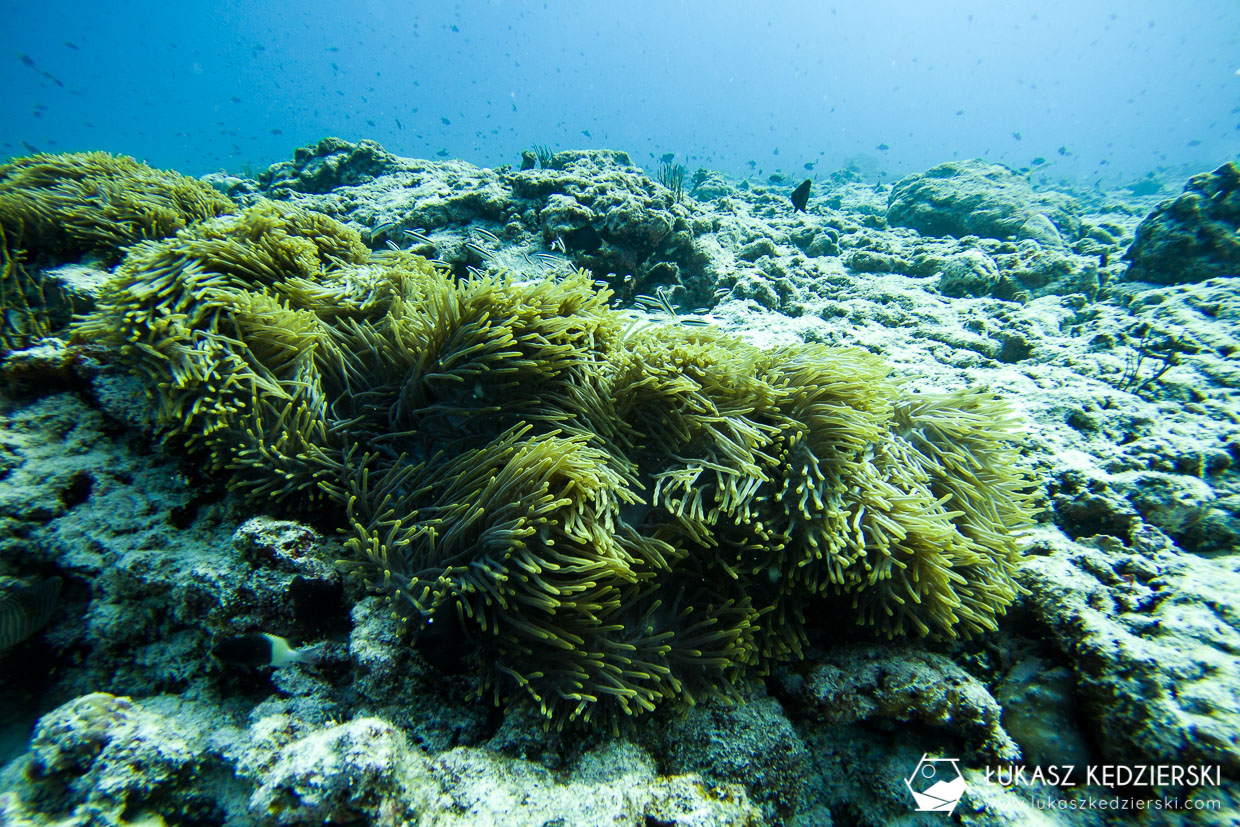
601,515
594,208
1118,649
1192,237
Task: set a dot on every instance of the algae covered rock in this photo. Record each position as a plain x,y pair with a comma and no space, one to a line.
103,759
1193,237
1152,636
862,683
961,198
360,770
971,273
327,165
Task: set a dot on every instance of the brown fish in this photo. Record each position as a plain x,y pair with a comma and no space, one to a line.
800,196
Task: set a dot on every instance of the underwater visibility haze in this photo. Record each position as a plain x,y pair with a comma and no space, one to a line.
1097,90
657,414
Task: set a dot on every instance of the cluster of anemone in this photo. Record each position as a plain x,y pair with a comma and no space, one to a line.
61,208
604,515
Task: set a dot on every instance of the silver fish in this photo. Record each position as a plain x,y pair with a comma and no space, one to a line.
477,248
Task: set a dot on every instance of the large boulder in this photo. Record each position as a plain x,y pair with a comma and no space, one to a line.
1193,237
974,197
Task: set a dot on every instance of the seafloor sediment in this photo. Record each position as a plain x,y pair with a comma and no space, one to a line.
1107,321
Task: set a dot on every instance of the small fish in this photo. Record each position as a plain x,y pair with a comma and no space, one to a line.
558,245
441,641
1017,135
258,650
487,234
438,262
71,45
800,196
723,292
477,248
476,272
689,321
883,147
418,235
600,284
399,125
446,122
550,259
392,245
1063,150
586,132
1194,142
1038,161
26,610
809,165
667,157
380,229
26,59
666,303
443,153
276,131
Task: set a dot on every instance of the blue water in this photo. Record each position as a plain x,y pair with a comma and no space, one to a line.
1102,91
